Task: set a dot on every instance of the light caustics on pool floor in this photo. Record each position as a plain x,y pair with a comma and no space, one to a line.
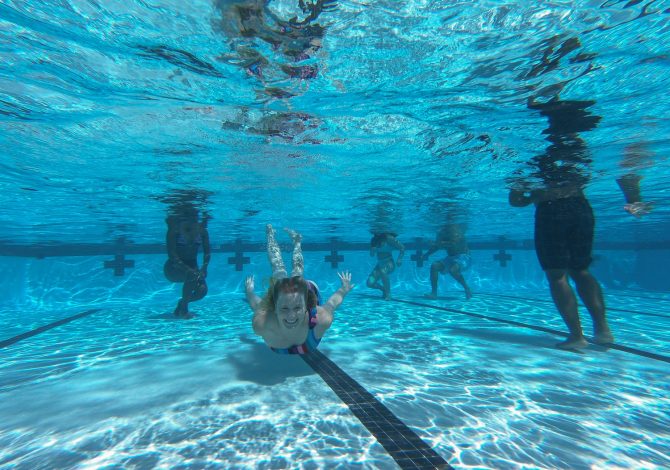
117,389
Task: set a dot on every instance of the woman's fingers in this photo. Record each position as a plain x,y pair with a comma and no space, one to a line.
345,277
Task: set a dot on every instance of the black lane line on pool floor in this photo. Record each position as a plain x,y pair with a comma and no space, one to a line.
624,294
613,309
619,347
404,445
42,329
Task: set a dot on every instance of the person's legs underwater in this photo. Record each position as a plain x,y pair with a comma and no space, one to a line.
590,292
275,257
182,272
195,288
373,281
435,269
580,243
297,259
566,303
458,265
274,254
379,278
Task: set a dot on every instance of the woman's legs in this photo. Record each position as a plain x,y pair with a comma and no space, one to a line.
379,278
373,281
194,289
274,254
181,272
298,261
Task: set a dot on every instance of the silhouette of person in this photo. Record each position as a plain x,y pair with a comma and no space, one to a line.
382,245
186,235
564,220
450,238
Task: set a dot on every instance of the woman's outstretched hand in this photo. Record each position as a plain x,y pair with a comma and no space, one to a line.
345,278
249,284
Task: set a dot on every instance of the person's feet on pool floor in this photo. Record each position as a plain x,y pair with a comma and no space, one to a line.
573,342
182,311
603,337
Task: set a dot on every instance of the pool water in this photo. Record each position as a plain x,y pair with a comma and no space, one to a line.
130,387
342,119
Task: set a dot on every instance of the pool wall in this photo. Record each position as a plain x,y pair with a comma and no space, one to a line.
68,281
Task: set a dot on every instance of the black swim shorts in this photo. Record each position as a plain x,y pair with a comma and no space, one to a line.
564,233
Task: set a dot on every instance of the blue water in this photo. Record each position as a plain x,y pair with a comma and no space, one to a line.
397,116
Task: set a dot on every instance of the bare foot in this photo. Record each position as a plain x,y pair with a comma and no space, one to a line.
604,337
573,342
468,294
295,236
431,296
181,309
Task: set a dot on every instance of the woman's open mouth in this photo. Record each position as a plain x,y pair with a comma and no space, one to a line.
290,324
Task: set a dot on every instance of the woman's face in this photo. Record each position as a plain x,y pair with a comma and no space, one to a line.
291,310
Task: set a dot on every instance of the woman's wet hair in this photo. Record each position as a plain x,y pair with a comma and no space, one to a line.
290,285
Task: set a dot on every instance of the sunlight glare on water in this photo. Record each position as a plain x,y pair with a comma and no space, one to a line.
422,102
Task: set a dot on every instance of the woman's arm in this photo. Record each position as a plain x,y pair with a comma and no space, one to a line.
328,309
398,246
260,315
207,252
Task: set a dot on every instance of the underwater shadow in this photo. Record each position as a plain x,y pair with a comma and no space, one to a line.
501,336
439,297
260,365
168,316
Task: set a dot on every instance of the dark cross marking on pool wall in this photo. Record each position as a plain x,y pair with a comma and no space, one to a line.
334,258
418,255
239,260
120,263
502,256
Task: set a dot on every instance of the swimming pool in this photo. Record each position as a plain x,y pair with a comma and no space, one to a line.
342,119
129,386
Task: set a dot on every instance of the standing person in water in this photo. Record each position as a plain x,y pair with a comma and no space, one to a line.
291,317
185,236
382,245
564,221
451,238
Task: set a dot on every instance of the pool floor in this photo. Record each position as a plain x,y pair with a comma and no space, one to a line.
128,387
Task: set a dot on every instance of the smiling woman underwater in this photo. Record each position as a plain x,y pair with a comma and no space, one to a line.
291,318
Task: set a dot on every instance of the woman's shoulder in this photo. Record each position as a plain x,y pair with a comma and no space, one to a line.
324,316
